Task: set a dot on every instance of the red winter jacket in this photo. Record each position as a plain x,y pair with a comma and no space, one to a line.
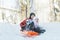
23,23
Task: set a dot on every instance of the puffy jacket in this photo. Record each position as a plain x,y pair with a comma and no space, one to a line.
23,23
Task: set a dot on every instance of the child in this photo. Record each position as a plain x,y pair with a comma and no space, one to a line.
23,24
36,22
37,28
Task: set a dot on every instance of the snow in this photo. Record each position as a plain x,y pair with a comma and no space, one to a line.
12,32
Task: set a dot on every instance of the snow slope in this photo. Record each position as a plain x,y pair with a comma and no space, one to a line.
11,32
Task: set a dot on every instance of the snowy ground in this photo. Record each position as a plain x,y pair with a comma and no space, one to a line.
11,32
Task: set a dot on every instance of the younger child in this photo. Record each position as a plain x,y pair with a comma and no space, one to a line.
37,28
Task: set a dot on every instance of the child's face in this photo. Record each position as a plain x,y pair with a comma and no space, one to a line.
32,16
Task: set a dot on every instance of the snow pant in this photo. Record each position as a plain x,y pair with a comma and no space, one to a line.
39,30
32,28
22,28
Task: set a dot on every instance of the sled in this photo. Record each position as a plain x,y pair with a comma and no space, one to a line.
30,33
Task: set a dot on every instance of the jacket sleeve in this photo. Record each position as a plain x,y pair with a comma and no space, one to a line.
23,23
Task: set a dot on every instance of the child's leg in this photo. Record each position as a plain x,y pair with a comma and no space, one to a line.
22,28
39,30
